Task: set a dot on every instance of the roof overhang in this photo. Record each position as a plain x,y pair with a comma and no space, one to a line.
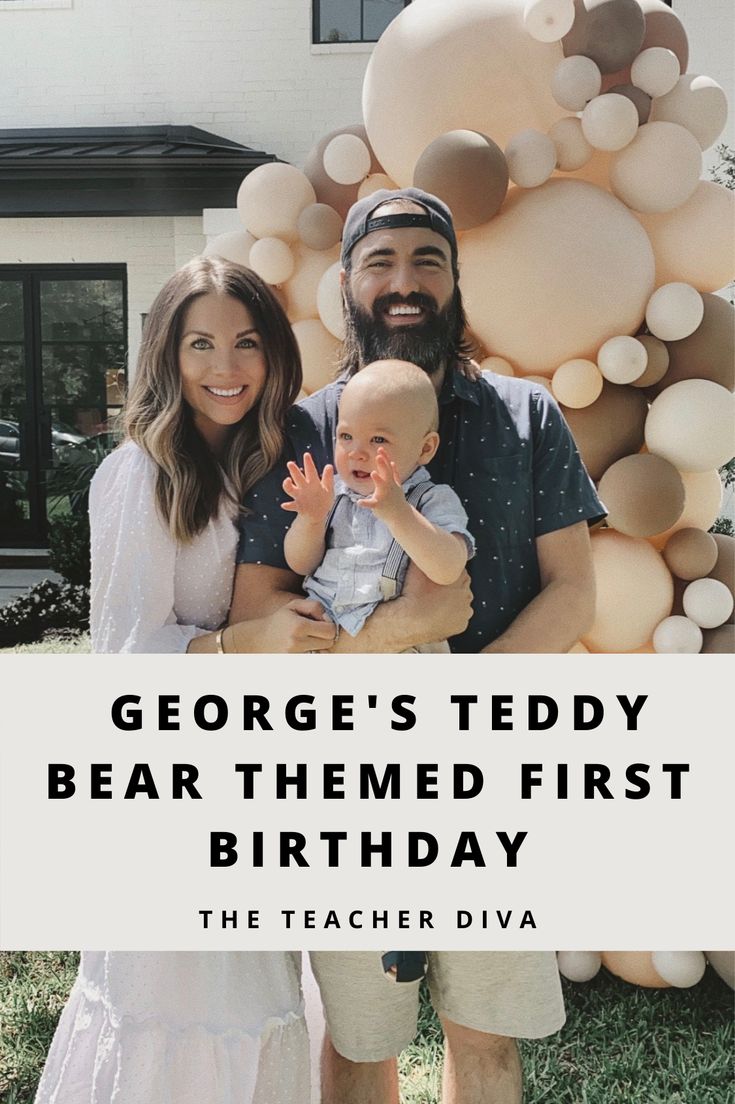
164,170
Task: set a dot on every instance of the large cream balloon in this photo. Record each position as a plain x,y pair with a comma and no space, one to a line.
271,198
634,592
695,243
329,301
233,246
557,272
659,170
455,66
318,350
697,103
692,425
302,288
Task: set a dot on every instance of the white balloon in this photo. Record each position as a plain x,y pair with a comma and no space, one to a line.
674,311
610,122
272,260
708,603
655,71
575,82
677,635
347,159
548,20
572,148
692,425
579,965
680,968
329,301
622,359
531,158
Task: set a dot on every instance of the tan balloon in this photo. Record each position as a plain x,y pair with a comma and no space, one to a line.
329,301
234,246
572,148
608,31
657,363
690,553
575,81
697,103
702,502
272,260
724,569
692,425
271,198
497,365
610,428
303,286
531,158
319,226
643,495
577,383
319,350
468,171
339,196
695,243
634,592
720,641
709,352
528,301
375,182
497,83
610,121
659,170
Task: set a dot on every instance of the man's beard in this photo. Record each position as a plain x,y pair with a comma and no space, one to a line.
429,344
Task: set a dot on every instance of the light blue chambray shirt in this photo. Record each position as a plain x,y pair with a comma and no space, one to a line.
347,582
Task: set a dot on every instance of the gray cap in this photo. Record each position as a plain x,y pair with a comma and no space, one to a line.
360,220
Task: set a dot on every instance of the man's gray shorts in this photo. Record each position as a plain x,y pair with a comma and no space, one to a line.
498,992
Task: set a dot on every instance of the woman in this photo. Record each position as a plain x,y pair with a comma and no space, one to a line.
217,371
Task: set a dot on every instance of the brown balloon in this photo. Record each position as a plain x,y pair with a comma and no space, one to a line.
339,196
690,554
608,31
640,99
658,361
643,495
719,641
664,28
708,353
609,429
319,226
724,569
468,171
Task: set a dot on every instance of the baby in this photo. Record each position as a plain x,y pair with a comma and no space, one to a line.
353,536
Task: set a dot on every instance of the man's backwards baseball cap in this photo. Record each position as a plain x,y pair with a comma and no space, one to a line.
361,219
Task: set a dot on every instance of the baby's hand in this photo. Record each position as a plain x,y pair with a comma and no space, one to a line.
387,498
312,497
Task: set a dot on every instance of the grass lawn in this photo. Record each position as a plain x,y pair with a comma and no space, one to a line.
54,644
621,1044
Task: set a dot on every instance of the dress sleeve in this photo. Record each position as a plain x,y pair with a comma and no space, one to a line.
133,561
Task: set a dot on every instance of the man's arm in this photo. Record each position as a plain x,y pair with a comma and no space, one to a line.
565,607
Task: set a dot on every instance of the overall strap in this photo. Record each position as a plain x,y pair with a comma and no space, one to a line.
330,516
396,557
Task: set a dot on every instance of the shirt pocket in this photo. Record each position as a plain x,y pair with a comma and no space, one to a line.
499,501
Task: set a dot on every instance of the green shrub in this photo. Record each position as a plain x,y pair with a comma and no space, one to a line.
69,547
46,606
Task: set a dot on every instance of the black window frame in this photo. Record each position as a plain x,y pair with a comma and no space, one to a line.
316,31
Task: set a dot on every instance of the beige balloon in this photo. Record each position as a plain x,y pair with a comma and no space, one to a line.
347,159
655,71
272,260
497,83
622,359
531,158
319,226
674,311
692,425
659,170
375,182
636,96
634,592
319,350
497,365
657,363
577,383
548,20
233,246
329,301
572,148
575,81
695,243
271,198
708,602
532,302
690,554
643,495
303,286
677,635
702,501
339,196
697,103
610,122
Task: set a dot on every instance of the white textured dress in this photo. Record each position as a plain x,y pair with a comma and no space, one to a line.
170,1028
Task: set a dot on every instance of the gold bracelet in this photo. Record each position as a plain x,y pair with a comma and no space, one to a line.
218,640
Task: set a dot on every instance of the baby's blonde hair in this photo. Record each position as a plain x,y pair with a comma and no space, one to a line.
398,380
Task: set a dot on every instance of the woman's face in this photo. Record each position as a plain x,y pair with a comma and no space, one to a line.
222,364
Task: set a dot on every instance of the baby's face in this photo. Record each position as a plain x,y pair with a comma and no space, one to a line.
364,426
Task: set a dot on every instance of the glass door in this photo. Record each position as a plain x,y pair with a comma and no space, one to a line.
18,468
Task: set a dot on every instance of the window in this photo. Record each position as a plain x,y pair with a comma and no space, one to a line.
353,20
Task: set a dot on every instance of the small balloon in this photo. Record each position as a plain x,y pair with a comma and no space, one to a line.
622,359
319,350
677,636
579,966
708,603
680,968
612,427
339,196
233,246
674,311
319,226
531,158
723,963
702,501
658,361
610,122
347,159
655,71
572,148
271,198
577,383
690,554
641,101
272,260
643,494
548,20
576,81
